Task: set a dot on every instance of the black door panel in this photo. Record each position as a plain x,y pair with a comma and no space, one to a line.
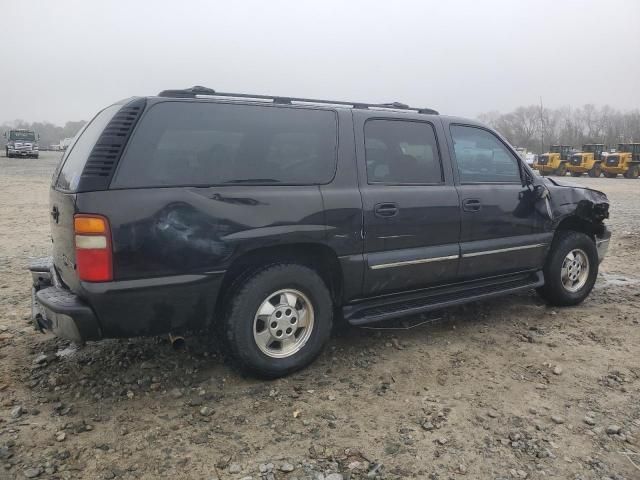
501,230
411,209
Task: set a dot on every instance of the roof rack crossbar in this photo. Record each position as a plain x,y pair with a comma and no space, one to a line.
196,91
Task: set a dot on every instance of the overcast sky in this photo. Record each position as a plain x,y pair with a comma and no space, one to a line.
64,60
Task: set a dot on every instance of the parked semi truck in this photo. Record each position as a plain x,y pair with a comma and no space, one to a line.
21,143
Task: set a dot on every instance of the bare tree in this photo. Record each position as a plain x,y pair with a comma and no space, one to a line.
525,126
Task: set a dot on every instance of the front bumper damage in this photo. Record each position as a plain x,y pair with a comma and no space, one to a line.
57,309
588,206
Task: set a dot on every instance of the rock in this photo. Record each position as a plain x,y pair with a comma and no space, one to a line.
492,414
375,470
557,370
333,476
40,359
32,472
287,467
462,469
442,440
613,429
176,393
60,436
589,421
235,468
206,411
428,426
557,419
17,411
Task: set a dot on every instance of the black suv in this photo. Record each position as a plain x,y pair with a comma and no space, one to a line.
268,217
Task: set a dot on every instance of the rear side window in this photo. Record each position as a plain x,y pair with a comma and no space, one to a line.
180,143
401,152
79,150
482,158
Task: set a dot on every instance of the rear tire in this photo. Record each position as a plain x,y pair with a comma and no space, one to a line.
293,328
571,269
576,174
596,171
632,172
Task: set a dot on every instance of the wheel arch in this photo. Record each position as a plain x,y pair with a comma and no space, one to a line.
320,257
575,223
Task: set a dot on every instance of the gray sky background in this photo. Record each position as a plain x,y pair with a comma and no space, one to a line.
64,60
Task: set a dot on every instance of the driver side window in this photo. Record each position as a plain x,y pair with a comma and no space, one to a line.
482,158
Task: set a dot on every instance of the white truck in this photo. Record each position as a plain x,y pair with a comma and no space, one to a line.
21,143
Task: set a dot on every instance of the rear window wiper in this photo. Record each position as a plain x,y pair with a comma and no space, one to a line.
253,180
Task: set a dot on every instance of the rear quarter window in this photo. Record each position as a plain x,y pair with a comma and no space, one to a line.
187,143
76,156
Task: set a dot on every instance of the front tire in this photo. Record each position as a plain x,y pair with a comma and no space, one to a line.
596,171
571,269
561,171
576,174
279,320
610,175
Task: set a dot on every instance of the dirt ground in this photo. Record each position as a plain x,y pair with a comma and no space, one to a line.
503,389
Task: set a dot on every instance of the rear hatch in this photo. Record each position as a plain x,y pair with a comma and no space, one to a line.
87,165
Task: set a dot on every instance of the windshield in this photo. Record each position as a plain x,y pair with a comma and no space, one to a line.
22,135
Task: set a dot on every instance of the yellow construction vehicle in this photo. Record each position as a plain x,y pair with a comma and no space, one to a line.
554,162
589,160
625,161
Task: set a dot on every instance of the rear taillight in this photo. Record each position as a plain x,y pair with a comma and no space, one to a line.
93,248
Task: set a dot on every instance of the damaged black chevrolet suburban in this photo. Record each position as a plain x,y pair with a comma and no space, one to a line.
268,217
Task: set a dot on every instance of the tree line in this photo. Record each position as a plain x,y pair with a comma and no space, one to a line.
50,134
536,128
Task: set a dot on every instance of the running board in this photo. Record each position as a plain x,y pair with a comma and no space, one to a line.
379,309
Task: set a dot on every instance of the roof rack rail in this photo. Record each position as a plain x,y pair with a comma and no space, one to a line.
197,90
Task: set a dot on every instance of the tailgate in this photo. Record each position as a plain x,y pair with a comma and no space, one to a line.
62,209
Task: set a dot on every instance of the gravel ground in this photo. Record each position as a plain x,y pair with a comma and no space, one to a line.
503,389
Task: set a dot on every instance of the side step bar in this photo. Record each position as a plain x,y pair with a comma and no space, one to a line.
379,309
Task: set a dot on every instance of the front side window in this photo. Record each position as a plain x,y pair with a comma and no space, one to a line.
401,152
482,157
187,143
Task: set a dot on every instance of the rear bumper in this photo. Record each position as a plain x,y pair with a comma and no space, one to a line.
602,244
122,309
57,309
